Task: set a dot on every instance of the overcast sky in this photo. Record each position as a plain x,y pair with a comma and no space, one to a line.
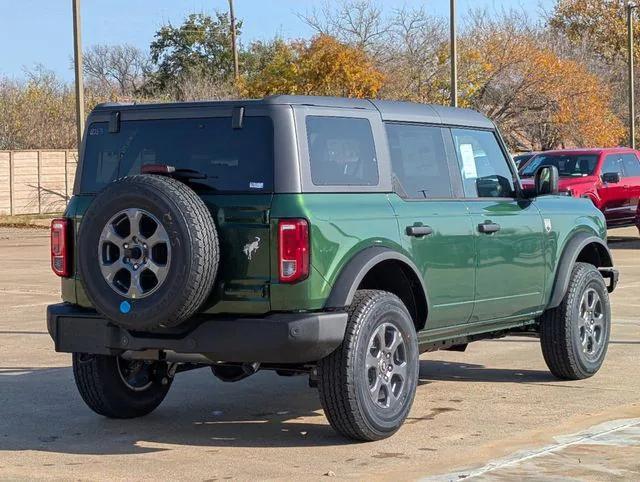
40,31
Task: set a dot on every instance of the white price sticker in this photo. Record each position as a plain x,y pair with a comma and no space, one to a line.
468,161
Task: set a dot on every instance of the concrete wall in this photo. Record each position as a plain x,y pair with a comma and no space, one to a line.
36,182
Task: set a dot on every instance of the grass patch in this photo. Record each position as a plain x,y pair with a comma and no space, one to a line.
33,221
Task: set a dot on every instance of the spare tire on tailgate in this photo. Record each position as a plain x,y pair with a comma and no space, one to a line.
147,252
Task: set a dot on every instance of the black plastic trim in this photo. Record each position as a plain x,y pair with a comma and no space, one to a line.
569,256
356,269
277,338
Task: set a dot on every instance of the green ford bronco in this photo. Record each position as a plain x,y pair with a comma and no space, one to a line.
336,238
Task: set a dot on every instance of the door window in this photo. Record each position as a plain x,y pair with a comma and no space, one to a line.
419,161
341,151
631,165
485,168
613,163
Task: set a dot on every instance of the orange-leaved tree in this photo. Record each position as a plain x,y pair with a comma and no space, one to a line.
600,24
321,66
539,99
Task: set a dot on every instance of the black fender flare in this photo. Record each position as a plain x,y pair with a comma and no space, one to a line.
568,258
357,268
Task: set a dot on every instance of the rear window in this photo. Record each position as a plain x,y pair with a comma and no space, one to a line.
341,151
238,160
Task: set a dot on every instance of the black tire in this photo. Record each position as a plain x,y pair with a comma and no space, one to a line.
191,238
562,330
343,380
104,390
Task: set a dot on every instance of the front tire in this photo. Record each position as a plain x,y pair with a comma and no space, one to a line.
117,388
367,385
575,335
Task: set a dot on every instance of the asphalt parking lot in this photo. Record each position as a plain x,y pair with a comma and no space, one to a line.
493,412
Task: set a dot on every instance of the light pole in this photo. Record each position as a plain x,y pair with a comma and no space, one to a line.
77,58
454,55
234,46
631,6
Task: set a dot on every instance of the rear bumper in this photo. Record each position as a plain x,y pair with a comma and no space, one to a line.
278,338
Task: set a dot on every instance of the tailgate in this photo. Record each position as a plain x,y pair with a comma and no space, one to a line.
244,272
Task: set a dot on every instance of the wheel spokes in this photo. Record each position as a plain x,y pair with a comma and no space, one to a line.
112,236
134,253
372,360
135,289
134,216
109,271
396,340
159,236
386,365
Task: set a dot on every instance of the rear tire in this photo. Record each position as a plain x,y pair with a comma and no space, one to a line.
380,341
113,387
575,335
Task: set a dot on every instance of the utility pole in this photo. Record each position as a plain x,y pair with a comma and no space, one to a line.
632,94
234,46
454,55
77,58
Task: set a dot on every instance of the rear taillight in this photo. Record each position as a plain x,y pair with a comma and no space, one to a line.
60,247
293,249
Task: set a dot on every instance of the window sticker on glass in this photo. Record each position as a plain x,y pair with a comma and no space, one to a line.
256,185
468,161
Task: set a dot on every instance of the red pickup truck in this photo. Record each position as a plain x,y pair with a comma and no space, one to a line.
610,177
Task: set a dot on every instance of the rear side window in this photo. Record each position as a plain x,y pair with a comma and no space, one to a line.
238,160
631,165
419,161
341,151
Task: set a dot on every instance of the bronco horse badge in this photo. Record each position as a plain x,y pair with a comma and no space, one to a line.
251,248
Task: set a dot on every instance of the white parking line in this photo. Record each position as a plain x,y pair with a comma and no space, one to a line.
598,434
29,305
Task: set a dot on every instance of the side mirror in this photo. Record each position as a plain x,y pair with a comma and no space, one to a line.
611,177
546,180
494,186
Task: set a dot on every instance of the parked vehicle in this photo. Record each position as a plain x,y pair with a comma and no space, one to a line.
521,159
335,238
610,178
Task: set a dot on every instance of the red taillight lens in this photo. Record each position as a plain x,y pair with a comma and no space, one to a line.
59,247
293,242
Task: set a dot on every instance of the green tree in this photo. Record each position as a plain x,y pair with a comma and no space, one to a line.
199,48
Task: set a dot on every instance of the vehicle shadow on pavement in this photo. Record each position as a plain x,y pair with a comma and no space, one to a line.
439,370
623,242
43,411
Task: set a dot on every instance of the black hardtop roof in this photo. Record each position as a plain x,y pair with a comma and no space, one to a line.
389,110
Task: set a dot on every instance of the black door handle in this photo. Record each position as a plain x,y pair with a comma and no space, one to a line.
419,231
488,227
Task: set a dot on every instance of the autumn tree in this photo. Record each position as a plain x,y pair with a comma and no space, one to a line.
321,66
599,23
539,99
37,113
595,34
